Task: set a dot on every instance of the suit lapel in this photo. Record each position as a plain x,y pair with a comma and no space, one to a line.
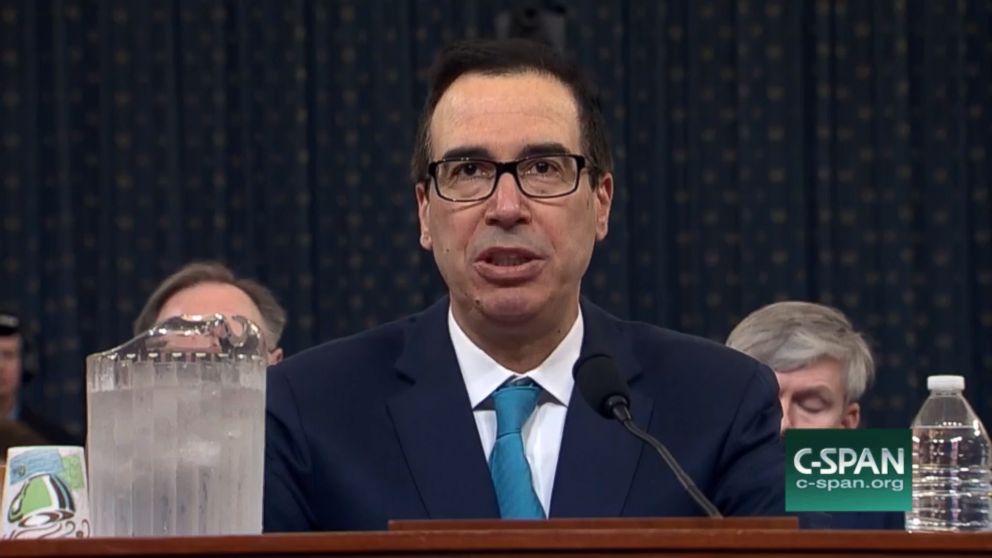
435,426
598,457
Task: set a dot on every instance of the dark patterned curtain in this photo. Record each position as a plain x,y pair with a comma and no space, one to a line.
822,150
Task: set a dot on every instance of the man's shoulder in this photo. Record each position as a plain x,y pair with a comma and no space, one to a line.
380,344
675,362
653,337
364,357
664,347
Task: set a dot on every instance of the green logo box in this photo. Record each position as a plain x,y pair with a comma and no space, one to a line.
832,470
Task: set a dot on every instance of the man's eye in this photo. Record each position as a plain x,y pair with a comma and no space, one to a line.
813,405
542,167
470,170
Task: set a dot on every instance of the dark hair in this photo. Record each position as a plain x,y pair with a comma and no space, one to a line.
10,323
197,273
511,56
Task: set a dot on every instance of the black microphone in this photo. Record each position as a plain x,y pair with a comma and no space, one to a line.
602,386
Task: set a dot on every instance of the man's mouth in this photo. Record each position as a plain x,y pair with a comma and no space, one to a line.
508,266
506,259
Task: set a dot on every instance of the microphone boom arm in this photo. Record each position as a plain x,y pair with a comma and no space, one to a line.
622,413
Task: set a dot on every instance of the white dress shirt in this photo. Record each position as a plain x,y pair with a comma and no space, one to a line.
542,431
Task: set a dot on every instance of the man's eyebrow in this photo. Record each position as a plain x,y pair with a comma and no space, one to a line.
531,150
474,151
550,148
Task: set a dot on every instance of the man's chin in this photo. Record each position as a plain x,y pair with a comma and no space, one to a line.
509,307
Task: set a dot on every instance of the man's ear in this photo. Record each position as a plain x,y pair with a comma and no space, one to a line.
852,416
275,356
423,214
604,201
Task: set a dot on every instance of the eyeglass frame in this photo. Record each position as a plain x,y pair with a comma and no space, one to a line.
510,167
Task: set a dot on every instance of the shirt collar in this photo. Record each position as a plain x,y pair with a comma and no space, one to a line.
482,374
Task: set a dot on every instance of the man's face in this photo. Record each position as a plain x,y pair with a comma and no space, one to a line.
813,397
215,298
510,258
10,365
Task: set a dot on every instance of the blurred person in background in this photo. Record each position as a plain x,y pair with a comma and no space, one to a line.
823,367
206,288
14,434
13,375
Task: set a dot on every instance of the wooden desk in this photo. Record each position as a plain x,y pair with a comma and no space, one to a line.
548,540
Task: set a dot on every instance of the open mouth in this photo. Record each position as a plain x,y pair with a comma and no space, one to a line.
504,259
508,266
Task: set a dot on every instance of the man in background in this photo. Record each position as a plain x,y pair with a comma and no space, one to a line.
13,375
468,409
823,367
205,288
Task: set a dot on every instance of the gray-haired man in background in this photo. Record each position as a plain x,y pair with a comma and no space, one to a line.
822,364
823,367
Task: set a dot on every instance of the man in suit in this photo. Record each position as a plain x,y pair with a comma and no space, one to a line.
13,375
468,410
823,366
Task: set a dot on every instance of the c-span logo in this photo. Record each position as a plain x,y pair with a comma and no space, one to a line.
848,470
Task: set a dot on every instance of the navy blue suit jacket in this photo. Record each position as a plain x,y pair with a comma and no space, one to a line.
378,426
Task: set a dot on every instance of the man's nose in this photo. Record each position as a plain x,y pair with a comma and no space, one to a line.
508,206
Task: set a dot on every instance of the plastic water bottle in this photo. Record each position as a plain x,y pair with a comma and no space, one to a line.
951,459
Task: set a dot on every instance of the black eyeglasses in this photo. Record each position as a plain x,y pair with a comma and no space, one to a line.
467,179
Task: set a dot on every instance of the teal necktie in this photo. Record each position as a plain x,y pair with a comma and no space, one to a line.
508,464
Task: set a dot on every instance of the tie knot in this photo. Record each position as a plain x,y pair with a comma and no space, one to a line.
514,403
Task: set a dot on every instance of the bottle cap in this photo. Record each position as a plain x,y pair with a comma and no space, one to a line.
945,383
